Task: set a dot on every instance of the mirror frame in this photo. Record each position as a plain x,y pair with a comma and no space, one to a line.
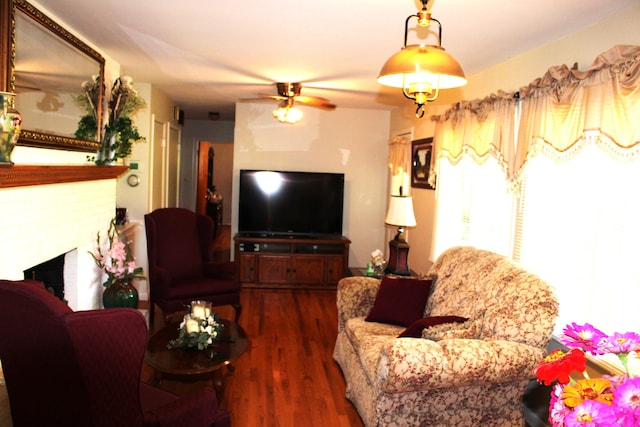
30,138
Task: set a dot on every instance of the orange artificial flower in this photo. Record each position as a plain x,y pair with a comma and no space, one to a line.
596,389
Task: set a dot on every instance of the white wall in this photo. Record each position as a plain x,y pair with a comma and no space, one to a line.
349,141
581,47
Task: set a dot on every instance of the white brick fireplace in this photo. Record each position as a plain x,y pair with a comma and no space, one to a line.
40,222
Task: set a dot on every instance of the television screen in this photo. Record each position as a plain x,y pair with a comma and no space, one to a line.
273,203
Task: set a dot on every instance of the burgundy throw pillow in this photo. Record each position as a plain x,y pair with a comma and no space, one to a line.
415,329
400,301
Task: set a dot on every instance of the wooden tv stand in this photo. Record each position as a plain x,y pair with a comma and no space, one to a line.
291,262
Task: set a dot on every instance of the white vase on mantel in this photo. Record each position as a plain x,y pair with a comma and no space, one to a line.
106,154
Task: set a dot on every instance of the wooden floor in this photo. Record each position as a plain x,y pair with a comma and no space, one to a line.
288,376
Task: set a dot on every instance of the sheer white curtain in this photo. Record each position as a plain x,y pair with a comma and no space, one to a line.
474,143
580,230
576,168
474,206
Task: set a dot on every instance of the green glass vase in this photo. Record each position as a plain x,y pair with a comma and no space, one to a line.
120,294
10,127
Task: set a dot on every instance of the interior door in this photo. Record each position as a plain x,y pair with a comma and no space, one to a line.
173,166
156,195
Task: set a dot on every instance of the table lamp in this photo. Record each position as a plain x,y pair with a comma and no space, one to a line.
400,214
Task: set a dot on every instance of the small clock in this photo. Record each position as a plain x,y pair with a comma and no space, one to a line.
133,180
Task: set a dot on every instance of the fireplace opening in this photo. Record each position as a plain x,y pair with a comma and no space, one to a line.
51,273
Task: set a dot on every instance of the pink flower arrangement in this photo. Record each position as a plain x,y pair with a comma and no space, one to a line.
591,402
118,262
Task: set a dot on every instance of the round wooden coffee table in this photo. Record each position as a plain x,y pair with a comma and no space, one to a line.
192,364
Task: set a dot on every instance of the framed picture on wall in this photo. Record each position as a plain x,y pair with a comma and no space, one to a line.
421,150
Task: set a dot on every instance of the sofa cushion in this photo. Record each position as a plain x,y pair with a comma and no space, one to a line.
400,301
415,329
469,329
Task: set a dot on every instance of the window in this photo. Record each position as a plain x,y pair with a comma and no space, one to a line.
474,206
579,229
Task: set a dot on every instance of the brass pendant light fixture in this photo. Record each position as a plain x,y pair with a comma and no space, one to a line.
422,70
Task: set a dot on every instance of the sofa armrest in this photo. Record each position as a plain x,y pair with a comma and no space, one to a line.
411,364
356,296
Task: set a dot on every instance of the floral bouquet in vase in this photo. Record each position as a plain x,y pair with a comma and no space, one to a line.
591,402
117,261
199,328
118,264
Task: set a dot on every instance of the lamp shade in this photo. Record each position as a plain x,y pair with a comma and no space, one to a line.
400,212
422,64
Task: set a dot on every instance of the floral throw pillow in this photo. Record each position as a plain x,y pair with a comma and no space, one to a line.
415,329
400,301
469,329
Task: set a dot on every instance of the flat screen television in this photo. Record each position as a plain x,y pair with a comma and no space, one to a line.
289,203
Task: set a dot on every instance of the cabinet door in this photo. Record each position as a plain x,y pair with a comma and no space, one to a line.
335,269
247,268
273,268
308,269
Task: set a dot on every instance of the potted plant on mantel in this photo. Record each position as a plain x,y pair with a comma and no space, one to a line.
119,132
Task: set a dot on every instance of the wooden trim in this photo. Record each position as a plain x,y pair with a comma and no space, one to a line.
24,175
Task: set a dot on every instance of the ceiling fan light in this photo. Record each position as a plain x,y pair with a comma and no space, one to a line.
290,115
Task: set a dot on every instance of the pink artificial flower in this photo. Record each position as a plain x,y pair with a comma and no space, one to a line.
623,343
591,414
131,267
118,251
585,337
557,409
627,403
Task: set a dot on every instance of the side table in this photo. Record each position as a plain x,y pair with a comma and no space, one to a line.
361,272
192,364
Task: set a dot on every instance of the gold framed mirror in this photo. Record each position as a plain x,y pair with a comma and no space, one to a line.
45,66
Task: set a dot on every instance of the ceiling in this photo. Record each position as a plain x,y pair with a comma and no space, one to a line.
208,54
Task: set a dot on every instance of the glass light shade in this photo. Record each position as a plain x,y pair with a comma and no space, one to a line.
422,65
287,114
400,212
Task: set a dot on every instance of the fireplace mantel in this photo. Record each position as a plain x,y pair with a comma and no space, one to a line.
24,175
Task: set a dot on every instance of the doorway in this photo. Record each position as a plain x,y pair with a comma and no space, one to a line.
215,170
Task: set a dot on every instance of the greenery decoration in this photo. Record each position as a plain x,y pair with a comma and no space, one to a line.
119,132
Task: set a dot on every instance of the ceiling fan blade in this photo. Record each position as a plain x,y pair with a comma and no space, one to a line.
315,101
275,97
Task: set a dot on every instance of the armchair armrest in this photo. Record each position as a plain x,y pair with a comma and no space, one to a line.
411,364
355,298
161,277
222,270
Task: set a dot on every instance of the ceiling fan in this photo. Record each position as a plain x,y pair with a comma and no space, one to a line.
290,92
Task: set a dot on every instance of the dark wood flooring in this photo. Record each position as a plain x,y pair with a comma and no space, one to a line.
288,376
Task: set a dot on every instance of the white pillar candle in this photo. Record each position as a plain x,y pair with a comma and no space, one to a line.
191,325
198,311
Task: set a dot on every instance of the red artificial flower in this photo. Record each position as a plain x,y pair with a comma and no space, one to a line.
558,365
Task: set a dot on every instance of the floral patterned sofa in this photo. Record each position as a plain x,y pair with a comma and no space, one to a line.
474,375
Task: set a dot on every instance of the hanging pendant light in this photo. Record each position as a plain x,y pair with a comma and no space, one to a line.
422,70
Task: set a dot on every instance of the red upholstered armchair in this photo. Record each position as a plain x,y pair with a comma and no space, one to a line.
181,269
66,368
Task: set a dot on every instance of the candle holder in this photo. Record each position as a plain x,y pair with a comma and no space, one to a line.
199,328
